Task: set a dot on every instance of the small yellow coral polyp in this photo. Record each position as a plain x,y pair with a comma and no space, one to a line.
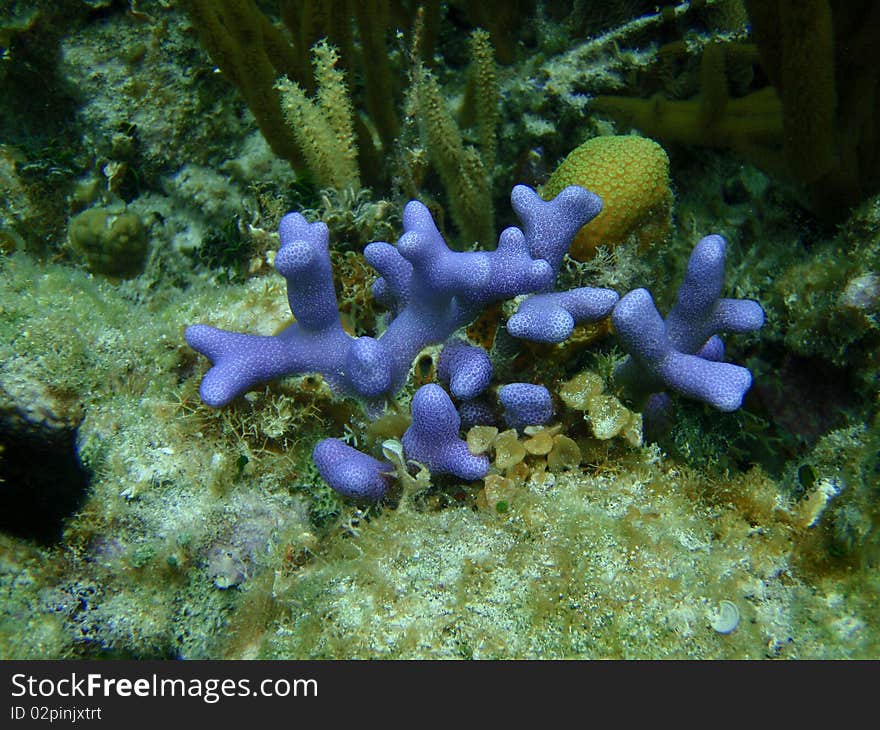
631,175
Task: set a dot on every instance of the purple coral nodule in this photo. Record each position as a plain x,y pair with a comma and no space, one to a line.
551,317
350,472
433,437
467,368
525,404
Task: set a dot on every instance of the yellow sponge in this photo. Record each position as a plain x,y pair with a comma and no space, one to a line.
631,175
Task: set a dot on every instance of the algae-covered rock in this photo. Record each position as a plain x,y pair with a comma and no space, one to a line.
110,244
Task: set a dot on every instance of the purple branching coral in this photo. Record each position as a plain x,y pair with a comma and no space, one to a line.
683,352
430,290
433,437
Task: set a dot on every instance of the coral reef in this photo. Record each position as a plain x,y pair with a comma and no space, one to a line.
398,498
613,564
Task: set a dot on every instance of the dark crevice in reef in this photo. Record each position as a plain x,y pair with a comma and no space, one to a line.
42,482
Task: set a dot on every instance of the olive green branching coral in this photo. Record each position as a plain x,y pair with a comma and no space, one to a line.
464,170
482,95
251,53
323,126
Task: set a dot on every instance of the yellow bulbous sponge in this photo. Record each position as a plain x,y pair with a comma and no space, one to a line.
631,175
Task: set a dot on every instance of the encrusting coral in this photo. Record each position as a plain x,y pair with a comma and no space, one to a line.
112,243
607,416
